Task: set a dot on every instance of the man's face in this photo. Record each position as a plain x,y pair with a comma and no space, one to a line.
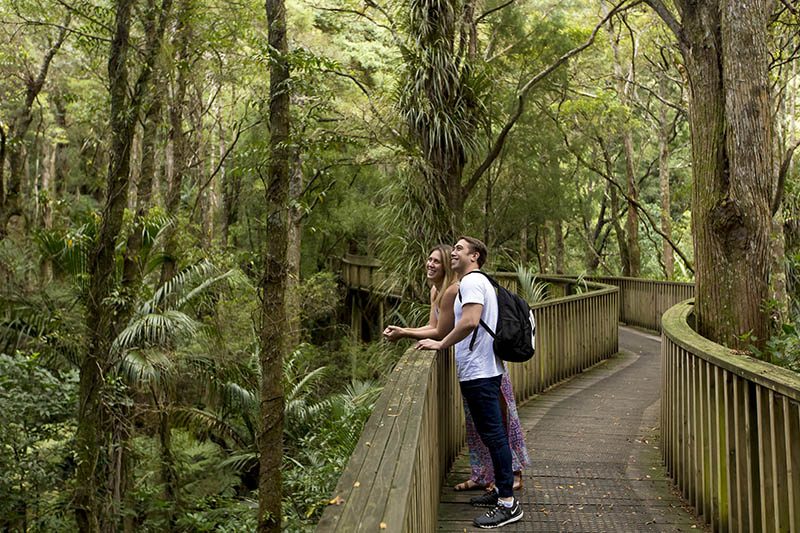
461,257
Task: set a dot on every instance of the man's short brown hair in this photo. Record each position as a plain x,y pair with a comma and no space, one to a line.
476,246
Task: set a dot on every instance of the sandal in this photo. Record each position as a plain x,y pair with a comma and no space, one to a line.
469,485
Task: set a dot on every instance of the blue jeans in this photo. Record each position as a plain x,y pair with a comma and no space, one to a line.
483,398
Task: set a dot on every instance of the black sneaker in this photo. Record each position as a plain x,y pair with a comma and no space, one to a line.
487,499
499,516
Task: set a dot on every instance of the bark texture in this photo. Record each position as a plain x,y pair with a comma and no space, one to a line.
11,191
724,45
102,430
273,325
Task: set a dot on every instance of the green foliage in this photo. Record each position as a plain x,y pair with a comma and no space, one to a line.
530,289
311,474
321,297
36,414
782,348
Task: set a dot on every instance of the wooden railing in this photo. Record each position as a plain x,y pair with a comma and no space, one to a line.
364,273
642,302
392,480
730,431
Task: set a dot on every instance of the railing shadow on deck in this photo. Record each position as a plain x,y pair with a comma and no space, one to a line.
730,430
392,480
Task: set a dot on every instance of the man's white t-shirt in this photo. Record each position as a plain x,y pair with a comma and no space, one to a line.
480,362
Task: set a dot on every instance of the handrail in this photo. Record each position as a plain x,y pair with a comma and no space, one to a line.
393,479
642,302
730,430
730,424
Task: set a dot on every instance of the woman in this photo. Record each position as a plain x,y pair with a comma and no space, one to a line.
444,289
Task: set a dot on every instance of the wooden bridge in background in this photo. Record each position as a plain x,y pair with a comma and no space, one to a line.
627,430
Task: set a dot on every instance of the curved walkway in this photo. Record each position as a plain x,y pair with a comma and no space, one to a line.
595,462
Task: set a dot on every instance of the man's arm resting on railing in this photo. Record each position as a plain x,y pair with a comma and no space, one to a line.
470,318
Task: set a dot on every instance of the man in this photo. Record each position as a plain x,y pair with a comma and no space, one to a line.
479,374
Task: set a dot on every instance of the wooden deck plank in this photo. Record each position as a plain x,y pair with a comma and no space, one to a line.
594,448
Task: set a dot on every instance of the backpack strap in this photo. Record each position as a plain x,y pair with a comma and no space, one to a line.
481,322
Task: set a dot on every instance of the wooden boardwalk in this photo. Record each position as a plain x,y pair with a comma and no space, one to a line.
595,462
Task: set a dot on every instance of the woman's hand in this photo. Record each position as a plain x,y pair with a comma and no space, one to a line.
393,333
428,344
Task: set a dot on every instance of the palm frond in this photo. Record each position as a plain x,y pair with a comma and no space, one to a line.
296,389
202,287
155,329
145,366
240,462
202,424
239,398
174,288
580,284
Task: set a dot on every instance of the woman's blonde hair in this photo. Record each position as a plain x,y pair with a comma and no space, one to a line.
450,277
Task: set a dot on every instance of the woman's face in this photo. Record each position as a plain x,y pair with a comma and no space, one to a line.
433,266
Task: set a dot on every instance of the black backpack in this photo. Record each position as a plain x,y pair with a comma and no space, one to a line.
514,340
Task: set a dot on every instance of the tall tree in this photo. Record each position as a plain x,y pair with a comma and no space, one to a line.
11,190
724,46
273,327
443,99
179,155
98,484
624,82
664,128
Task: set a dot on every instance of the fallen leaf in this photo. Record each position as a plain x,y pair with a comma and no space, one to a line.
338,500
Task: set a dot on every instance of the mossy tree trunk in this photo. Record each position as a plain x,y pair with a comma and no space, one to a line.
273,327
11,193
724,45
102,432
178,142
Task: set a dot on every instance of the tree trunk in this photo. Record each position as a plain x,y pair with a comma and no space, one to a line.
180,152
293,254
231,186
663,176
273,325
132,268
724,45
48,194
559,231
95,418
168,472
632,221
11,192
544,253
622,241
102,434
61,162
523,245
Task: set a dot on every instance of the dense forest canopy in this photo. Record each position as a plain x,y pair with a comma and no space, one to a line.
178,179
